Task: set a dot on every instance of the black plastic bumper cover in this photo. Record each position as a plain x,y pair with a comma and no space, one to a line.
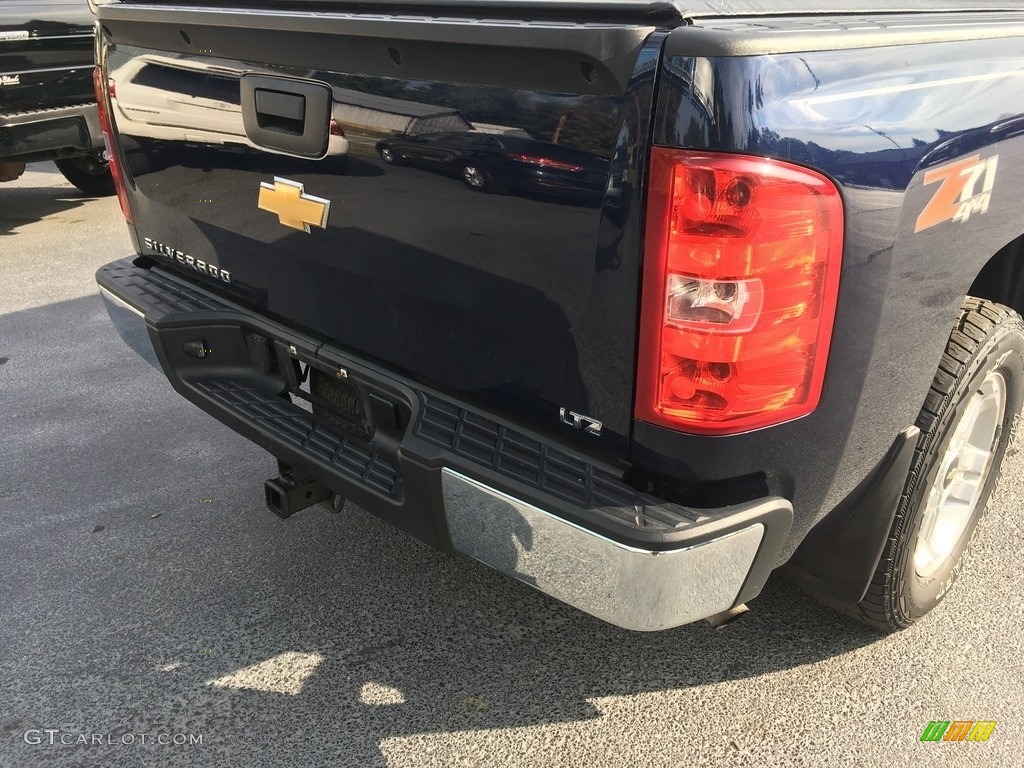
433,451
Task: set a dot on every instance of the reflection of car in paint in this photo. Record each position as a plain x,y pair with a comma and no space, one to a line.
173,99
490,162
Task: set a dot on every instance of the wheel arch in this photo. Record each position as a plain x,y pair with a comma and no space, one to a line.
1001,279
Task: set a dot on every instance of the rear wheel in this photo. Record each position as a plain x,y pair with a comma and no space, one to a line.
967,424
90,173
474,177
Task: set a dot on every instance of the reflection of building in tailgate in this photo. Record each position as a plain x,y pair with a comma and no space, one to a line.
170,98
376,116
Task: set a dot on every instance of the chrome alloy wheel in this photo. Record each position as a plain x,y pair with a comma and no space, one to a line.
963,472
473,176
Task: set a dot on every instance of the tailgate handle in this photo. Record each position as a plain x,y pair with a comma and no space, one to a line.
278,111
286,115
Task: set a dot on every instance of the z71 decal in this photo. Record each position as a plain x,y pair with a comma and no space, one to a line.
966,188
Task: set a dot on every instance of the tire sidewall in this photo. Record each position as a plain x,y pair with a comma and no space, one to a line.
1002,350
97,182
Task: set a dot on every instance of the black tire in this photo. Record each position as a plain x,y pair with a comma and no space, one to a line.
987,339
90,173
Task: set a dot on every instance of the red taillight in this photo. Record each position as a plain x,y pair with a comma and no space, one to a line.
335,129
545,162
740,282
103,92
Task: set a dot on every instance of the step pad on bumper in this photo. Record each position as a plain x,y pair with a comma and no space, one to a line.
305,433
543,466
156,293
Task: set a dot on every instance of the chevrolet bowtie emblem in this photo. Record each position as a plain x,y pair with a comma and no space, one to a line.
294,208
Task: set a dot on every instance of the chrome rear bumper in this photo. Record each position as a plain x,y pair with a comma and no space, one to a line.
632,588
52,133
87,112
130,324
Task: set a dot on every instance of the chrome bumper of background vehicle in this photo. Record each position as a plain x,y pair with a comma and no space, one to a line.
86,112
632,588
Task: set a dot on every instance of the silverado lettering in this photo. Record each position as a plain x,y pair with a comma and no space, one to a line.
183,258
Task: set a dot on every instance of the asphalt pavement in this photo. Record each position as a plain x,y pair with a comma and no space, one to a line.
153,613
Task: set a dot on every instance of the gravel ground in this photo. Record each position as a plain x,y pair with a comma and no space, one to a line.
147,595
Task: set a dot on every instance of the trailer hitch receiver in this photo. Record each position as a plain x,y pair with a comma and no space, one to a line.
288,494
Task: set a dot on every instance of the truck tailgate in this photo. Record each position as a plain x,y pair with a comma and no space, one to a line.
456,199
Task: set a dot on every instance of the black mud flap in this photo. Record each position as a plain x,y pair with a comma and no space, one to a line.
839,556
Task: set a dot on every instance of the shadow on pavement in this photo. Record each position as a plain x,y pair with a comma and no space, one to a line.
147,590
47,167
20,205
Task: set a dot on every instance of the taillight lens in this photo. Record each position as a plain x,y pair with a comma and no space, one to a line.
335,129
544,162
103,92
740,283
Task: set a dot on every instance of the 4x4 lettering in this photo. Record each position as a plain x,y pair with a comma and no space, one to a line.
958,195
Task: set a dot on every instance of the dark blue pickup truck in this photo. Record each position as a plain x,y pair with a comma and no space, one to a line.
633,301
